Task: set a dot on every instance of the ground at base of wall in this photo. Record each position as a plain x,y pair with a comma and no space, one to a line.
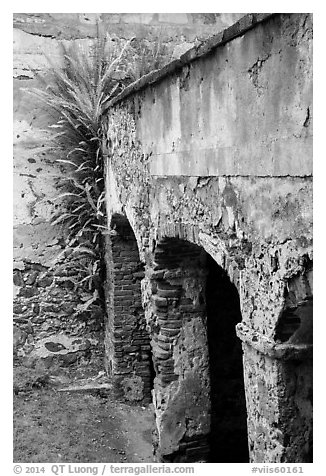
61,427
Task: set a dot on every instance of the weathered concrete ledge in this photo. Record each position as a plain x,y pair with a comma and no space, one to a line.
212,166
194,121
239,28
228,161
268,347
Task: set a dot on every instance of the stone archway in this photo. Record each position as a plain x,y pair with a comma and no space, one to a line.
278,374
187,285
228,436
127,344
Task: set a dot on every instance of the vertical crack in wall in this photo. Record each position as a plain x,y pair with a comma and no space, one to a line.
307,119
255,71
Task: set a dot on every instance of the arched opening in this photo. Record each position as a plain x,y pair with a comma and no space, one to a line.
199,391
127,342
228,437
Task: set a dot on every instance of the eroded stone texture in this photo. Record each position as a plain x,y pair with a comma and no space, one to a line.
180,351
212,153
47,301
279,397
217,154
198,389
128,356
174,29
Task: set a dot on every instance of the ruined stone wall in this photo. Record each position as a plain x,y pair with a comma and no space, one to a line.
127,344
49,306
179,346
216,150
174,28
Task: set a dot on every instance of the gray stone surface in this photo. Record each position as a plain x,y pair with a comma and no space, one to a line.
49,303
214,152
217,153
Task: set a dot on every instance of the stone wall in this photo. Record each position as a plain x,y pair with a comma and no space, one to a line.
46,302
49,306
179,346
207,156
127,340
174,28
215,150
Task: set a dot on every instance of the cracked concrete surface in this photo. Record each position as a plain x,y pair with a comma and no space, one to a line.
219,155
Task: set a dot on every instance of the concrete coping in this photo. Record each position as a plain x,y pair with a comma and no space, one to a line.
247,22
268,347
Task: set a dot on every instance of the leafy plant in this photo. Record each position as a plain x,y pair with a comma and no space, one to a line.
146,56
78,93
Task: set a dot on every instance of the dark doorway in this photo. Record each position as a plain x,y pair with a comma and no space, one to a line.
228,439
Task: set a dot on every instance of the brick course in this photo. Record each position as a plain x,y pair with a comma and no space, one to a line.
128,350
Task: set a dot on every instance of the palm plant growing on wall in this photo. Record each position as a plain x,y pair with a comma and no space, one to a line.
77,93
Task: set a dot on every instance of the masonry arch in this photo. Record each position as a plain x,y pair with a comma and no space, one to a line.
127,342
228,437
199,395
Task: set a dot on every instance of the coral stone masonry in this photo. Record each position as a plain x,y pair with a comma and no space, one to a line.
208,284
209,161
48,302
128,355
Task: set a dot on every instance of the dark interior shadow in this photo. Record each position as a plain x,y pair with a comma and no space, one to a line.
228,439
